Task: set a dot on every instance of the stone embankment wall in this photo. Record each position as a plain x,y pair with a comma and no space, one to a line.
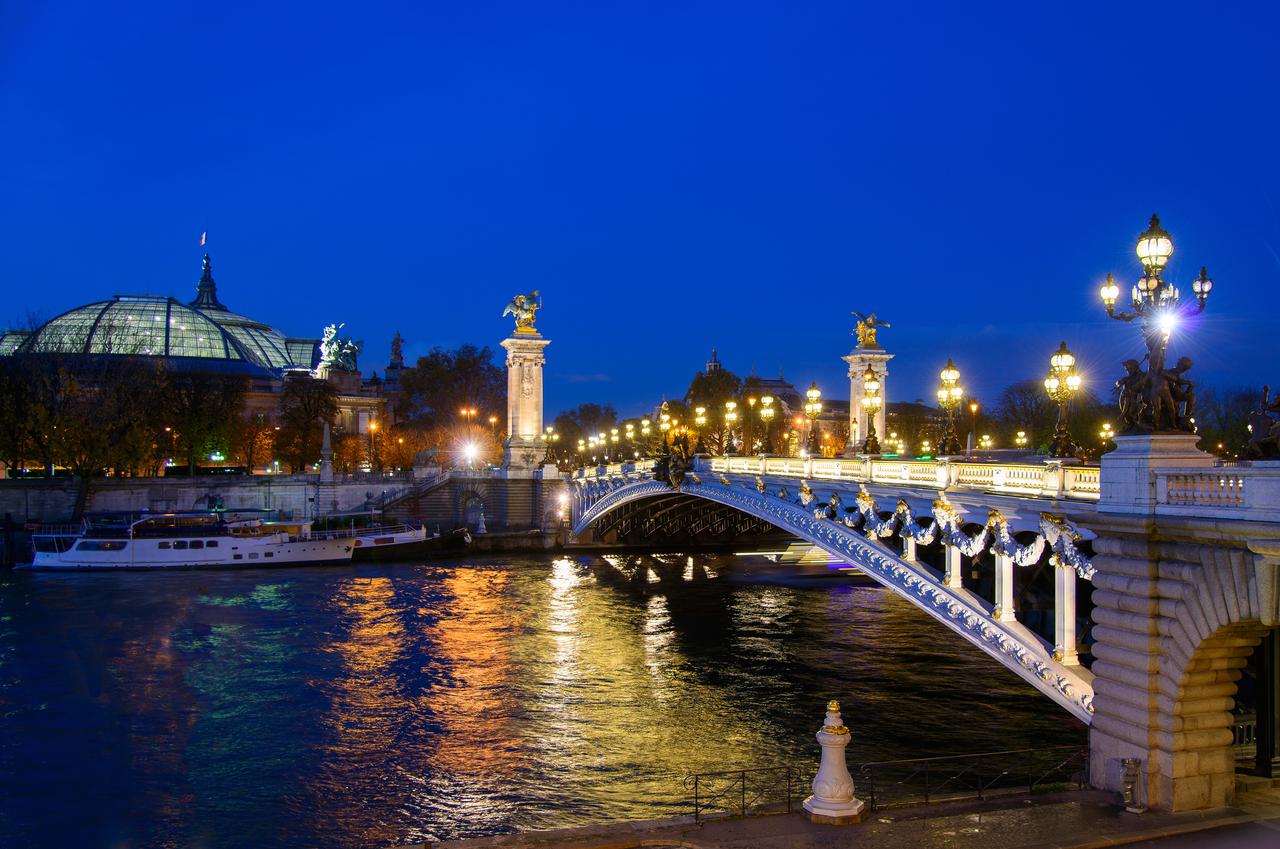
53,502
515,504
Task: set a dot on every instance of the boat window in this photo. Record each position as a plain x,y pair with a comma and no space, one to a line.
253,555
213,543
197,543
269,554
237,557
166,544
101,545
180,544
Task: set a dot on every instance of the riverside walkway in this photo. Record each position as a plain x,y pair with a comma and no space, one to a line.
1088,819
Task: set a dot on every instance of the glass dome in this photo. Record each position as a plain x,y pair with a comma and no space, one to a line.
200,334
265,341
144,326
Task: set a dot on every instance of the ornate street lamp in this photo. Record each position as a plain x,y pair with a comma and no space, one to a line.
813,409
1159,398
766,416
1021,439
730,419
950,393
1106,434
1062,384
871,401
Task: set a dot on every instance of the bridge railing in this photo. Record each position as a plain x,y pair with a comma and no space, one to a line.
1051,479
1240,492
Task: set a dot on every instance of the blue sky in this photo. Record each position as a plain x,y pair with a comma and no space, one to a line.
671,177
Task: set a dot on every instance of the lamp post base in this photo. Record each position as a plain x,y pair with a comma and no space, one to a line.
846,814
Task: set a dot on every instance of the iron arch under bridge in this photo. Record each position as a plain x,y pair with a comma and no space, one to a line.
861,535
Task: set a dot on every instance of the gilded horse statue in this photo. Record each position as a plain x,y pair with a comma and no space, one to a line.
523,308
867,327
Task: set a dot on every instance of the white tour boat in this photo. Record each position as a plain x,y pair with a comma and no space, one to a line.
188,541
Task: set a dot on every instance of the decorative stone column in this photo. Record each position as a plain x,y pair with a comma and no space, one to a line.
859,361
833,802
525,448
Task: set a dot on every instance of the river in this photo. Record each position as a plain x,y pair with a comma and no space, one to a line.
373,705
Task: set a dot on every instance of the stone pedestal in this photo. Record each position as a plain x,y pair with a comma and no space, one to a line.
525,449
833,802
1128,481
877,359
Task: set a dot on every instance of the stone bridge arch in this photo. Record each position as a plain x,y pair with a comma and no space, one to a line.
1176,621
1009,642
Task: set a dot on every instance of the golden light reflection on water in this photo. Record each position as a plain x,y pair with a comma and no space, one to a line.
473,636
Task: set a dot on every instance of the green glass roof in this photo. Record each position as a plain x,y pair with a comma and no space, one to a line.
142,326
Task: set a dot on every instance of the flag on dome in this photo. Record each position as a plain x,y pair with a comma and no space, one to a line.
204,237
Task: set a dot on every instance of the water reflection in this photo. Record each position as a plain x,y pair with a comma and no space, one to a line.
402,702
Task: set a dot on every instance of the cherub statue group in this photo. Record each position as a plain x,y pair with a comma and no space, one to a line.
1158,399
1264,428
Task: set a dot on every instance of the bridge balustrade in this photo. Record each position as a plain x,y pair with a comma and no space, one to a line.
1051,479
1227,492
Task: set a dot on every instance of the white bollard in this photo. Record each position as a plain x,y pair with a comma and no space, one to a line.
833,802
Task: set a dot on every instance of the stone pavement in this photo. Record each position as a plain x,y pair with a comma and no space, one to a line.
1086,819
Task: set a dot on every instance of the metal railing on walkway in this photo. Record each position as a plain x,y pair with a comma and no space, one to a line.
747,792
977,776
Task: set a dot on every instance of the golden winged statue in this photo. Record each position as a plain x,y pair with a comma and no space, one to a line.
524,308
867,327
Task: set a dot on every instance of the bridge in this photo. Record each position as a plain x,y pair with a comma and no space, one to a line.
1168,561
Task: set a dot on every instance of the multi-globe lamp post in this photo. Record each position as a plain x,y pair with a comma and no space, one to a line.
950,394
813,409
1106,434
730,421
1062,384
766,417
1148,401
871,402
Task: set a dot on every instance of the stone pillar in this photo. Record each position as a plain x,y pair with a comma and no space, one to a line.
859,361
833,802
1004,611
1128,480
525,448
908,548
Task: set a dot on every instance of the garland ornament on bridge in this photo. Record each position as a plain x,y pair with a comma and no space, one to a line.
1159,399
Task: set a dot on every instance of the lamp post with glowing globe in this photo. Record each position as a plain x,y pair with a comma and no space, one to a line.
813,409
1158,399
1062,384
871,401
950,394
730,421
766,417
